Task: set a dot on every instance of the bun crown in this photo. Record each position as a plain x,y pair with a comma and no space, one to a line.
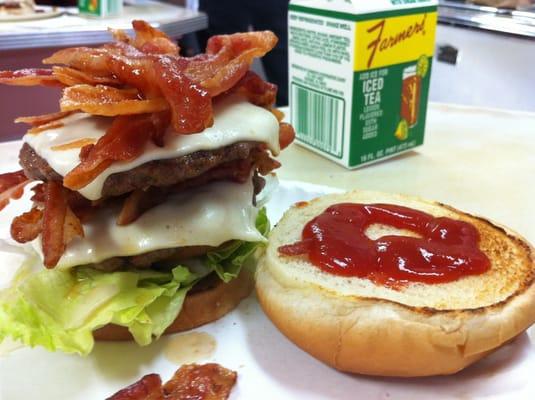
417,329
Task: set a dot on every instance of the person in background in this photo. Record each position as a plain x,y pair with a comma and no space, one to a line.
230,16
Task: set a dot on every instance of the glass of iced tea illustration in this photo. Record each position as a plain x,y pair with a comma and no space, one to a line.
410,95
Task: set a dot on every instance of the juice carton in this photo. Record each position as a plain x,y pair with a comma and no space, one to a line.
359,73
100,8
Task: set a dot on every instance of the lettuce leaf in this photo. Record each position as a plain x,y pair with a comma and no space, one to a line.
59,309
228,259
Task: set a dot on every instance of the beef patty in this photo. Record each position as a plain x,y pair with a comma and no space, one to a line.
157,173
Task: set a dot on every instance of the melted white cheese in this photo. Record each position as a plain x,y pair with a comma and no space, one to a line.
209,215
235,120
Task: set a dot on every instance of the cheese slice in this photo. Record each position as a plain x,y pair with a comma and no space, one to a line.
208,215
235,120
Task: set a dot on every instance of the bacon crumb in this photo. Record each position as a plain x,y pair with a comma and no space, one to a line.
76,144
11,187
199,382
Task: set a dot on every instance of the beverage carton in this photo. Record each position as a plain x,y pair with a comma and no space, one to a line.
100,8
359,73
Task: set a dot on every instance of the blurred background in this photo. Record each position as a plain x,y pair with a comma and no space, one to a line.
485,49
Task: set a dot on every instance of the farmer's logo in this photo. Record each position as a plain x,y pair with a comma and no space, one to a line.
394,40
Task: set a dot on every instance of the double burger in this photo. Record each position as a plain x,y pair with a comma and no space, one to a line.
144,189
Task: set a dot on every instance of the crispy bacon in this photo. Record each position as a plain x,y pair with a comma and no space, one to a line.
233,55
137,202
256,90
277,113
87,59
153,41
55,209
125,140
70,77
264,163
108,101
41,128
29,77
75,144
11,187
187,84
72,227
60,224
38,120
192,381
207,382
147,388
27,226
38,193
286,135
191,105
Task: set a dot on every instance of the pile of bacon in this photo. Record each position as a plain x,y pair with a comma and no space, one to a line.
146,87
192,381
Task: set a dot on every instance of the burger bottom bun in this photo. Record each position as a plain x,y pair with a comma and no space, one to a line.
200,307
384,338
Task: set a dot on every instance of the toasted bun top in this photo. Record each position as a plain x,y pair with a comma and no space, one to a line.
512,258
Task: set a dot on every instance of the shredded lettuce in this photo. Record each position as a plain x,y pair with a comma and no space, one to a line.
59,309
229,258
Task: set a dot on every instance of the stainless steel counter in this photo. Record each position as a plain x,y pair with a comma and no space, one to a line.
70,29
516,22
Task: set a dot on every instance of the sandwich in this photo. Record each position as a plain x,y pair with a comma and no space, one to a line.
16,7
391,285
145,189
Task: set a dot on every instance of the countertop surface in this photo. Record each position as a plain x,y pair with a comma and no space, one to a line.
68,28
479,160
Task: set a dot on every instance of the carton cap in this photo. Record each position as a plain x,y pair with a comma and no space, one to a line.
363,6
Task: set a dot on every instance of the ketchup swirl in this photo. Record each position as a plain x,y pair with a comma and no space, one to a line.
335,241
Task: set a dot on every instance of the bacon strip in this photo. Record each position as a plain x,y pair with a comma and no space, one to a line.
236,52
137,203
108,101
147,388
76,144
125,140
191,105
87,59
256,90
286,135
41,128
187,84
29,77
27,226
37,120
70,77
206,382
54,213
12,187
153,41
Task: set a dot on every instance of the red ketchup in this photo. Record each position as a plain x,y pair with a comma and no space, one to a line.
335,241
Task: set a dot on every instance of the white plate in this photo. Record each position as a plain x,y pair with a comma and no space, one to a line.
44,12
268,365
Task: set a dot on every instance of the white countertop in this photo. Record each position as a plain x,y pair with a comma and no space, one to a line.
479,160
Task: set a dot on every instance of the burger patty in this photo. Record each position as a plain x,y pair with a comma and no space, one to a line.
157,173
